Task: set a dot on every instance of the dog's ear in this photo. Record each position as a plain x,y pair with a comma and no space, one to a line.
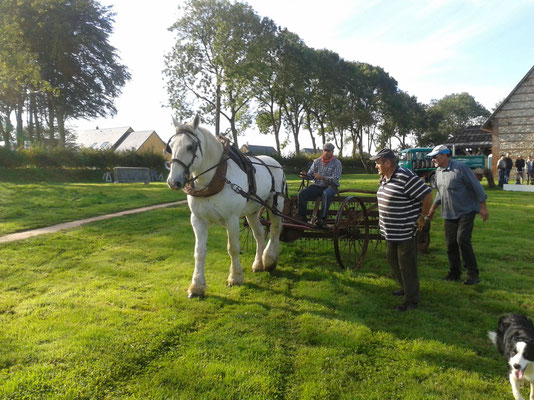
493,337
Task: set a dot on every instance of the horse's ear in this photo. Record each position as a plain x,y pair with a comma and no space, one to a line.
175,123
196,122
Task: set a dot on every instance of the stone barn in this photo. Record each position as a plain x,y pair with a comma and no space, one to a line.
512,123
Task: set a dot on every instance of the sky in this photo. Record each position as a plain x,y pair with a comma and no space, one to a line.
432,48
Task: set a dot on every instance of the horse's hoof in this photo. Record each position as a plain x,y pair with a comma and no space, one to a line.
195,295
270,268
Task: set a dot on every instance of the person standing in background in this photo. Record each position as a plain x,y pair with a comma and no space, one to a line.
461,197
501,167
509,166
519,166
529,170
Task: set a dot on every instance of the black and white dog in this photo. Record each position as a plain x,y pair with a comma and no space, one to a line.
514,339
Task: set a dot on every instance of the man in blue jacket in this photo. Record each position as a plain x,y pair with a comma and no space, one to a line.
461,197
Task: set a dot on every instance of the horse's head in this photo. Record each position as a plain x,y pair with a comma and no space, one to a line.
185,148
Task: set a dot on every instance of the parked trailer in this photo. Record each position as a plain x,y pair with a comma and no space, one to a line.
416,160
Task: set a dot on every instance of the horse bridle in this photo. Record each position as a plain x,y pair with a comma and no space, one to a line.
194,147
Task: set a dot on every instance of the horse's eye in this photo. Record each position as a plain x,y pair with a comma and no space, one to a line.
190,147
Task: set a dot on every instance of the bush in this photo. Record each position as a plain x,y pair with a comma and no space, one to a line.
10,158
59,157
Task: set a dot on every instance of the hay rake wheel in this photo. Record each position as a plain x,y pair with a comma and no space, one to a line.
351,233
246,237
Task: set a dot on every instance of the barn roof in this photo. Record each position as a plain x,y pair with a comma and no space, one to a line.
472,136
135,140
101,139
487,126
256,149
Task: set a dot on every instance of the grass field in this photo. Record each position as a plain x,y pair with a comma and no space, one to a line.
101,312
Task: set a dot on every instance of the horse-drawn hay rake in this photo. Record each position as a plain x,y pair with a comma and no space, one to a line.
352,223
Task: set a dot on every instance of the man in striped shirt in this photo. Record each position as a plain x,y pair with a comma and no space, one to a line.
403,204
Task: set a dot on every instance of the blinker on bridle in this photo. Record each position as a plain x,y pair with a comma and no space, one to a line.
194,147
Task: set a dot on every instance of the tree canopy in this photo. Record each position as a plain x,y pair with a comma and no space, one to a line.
57,63
230,62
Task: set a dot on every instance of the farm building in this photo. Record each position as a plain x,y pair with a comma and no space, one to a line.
120,139
512,123
471,141
309,150
254,149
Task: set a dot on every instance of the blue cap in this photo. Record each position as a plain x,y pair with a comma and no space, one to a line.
441,149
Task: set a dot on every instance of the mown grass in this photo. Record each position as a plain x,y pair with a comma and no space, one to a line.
101,312
26,206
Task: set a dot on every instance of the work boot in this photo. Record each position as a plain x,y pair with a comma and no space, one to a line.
451,277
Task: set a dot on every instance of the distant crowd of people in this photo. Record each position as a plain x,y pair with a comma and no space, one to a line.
523,169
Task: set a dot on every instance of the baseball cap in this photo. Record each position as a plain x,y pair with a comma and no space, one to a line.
441,149
328,146
384,153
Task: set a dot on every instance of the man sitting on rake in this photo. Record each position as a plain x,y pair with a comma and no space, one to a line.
325,172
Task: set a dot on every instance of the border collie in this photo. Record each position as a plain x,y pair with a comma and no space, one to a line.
514,339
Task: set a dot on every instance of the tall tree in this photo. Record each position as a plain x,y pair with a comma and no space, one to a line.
19,69
214,61
69,40
449,116
295,61
403,118
268,87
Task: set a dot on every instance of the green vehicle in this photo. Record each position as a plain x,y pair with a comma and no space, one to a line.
416,159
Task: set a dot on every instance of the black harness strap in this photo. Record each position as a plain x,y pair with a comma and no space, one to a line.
197,145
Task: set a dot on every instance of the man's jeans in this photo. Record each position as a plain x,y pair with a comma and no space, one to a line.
507,175
311,193
402,257
502,177
458,239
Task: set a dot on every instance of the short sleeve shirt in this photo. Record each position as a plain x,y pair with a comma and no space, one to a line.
400,203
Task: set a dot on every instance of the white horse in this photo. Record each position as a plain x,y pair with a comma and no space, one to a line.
195,153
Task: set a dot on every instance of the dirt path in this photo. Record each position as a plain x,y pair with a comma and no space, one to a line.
74,224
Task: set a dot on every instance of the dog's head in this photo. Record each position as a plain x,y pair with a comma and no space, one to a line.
520,354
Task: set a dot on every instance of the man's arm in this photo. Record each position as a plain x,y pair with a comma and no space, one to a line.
484,214
427,204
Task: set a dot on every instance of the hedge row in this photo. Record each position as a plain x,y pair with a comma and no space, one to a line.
83,158
107,159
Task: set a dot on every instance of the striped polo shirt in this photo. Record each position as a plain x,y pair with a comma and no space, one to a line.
400,203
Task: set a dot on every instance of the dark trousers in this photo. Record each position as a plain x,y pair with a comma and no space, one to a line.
502,177
458,239
402,257
311,193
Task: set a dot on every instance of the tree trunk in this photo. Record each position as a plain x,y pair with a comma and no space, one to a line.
51,118
218,110
20,125
61,129
6,135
